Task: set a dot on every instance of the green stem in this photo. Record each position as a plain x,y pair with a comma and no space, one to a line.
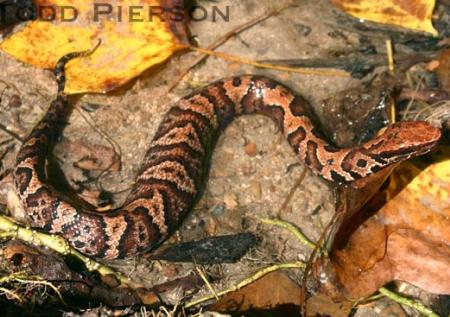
408,302
293,229
247,281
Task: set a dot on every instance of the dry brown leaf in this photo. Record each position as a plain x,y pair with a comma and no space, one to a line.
443,70
407,239
17,257
271,291
415,15
321,305
127,48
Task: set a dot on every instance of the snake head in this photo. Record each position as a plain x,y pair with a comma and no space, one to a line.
404,140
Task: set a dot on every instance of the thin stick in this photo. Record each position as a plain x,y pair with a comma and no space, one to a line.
302,238
293,229
39,281
341,204
247,61
11,133
408,302
115,147
249,280
18,277
58,244
225,38
292,191
205,279
410,103
390,58
11,294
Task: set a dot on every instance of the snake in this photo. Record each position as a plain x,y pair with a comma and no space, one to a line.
175,167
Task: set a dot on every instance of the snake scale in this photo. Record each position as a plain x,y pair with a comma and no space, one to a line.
175,166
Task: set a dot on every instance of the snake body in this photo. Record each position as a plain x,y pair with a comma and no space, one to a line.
174,168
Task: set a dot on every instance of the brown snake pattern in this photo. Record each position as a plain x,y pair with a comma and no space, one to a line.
174,169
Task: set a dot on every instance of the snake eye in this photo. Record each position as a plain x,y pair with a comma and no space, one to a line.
361,163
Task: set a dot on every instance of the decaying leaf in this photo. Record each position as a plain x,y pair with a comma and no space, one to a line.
321,305
443,69
414,15
407,239
271,291
128,47
28,262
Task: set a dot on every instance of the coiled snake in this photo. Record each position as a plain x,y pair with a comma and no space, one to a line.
174,168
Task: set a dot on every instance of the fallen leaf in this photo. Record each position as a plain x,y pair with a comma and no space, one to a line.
381,308
271,291
322,305
407,239
127,48
415,15
443,70
17,257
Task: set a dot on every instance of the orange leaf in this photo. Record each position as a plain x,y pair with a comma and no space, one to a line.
274,289
407,239
128,48
414,15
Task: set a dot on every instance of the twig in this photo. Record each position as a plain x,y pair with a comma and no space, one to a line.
358,66
427,95
439,111
292,191
3,155
243,60
318,247
226,37
58,244
35,280
293,229
10,85
390,56
249,280
205,279
11,294
408,302
408,107
302,238
115,147
11,133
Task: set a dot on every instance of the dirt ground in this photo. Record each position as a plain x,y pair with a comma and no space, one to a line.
253,168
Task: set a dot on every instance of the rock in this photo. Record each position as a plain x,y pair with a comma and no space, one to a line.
255,190
251,149
230,201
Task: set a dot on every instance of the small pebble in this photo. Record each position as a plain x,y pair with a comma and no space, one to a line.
216,188
230,201
433,65
211,227
218,210
251,149
255,190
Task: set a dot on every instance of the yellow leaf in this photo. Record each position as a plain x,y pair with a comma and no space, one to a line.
415,15
127,49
